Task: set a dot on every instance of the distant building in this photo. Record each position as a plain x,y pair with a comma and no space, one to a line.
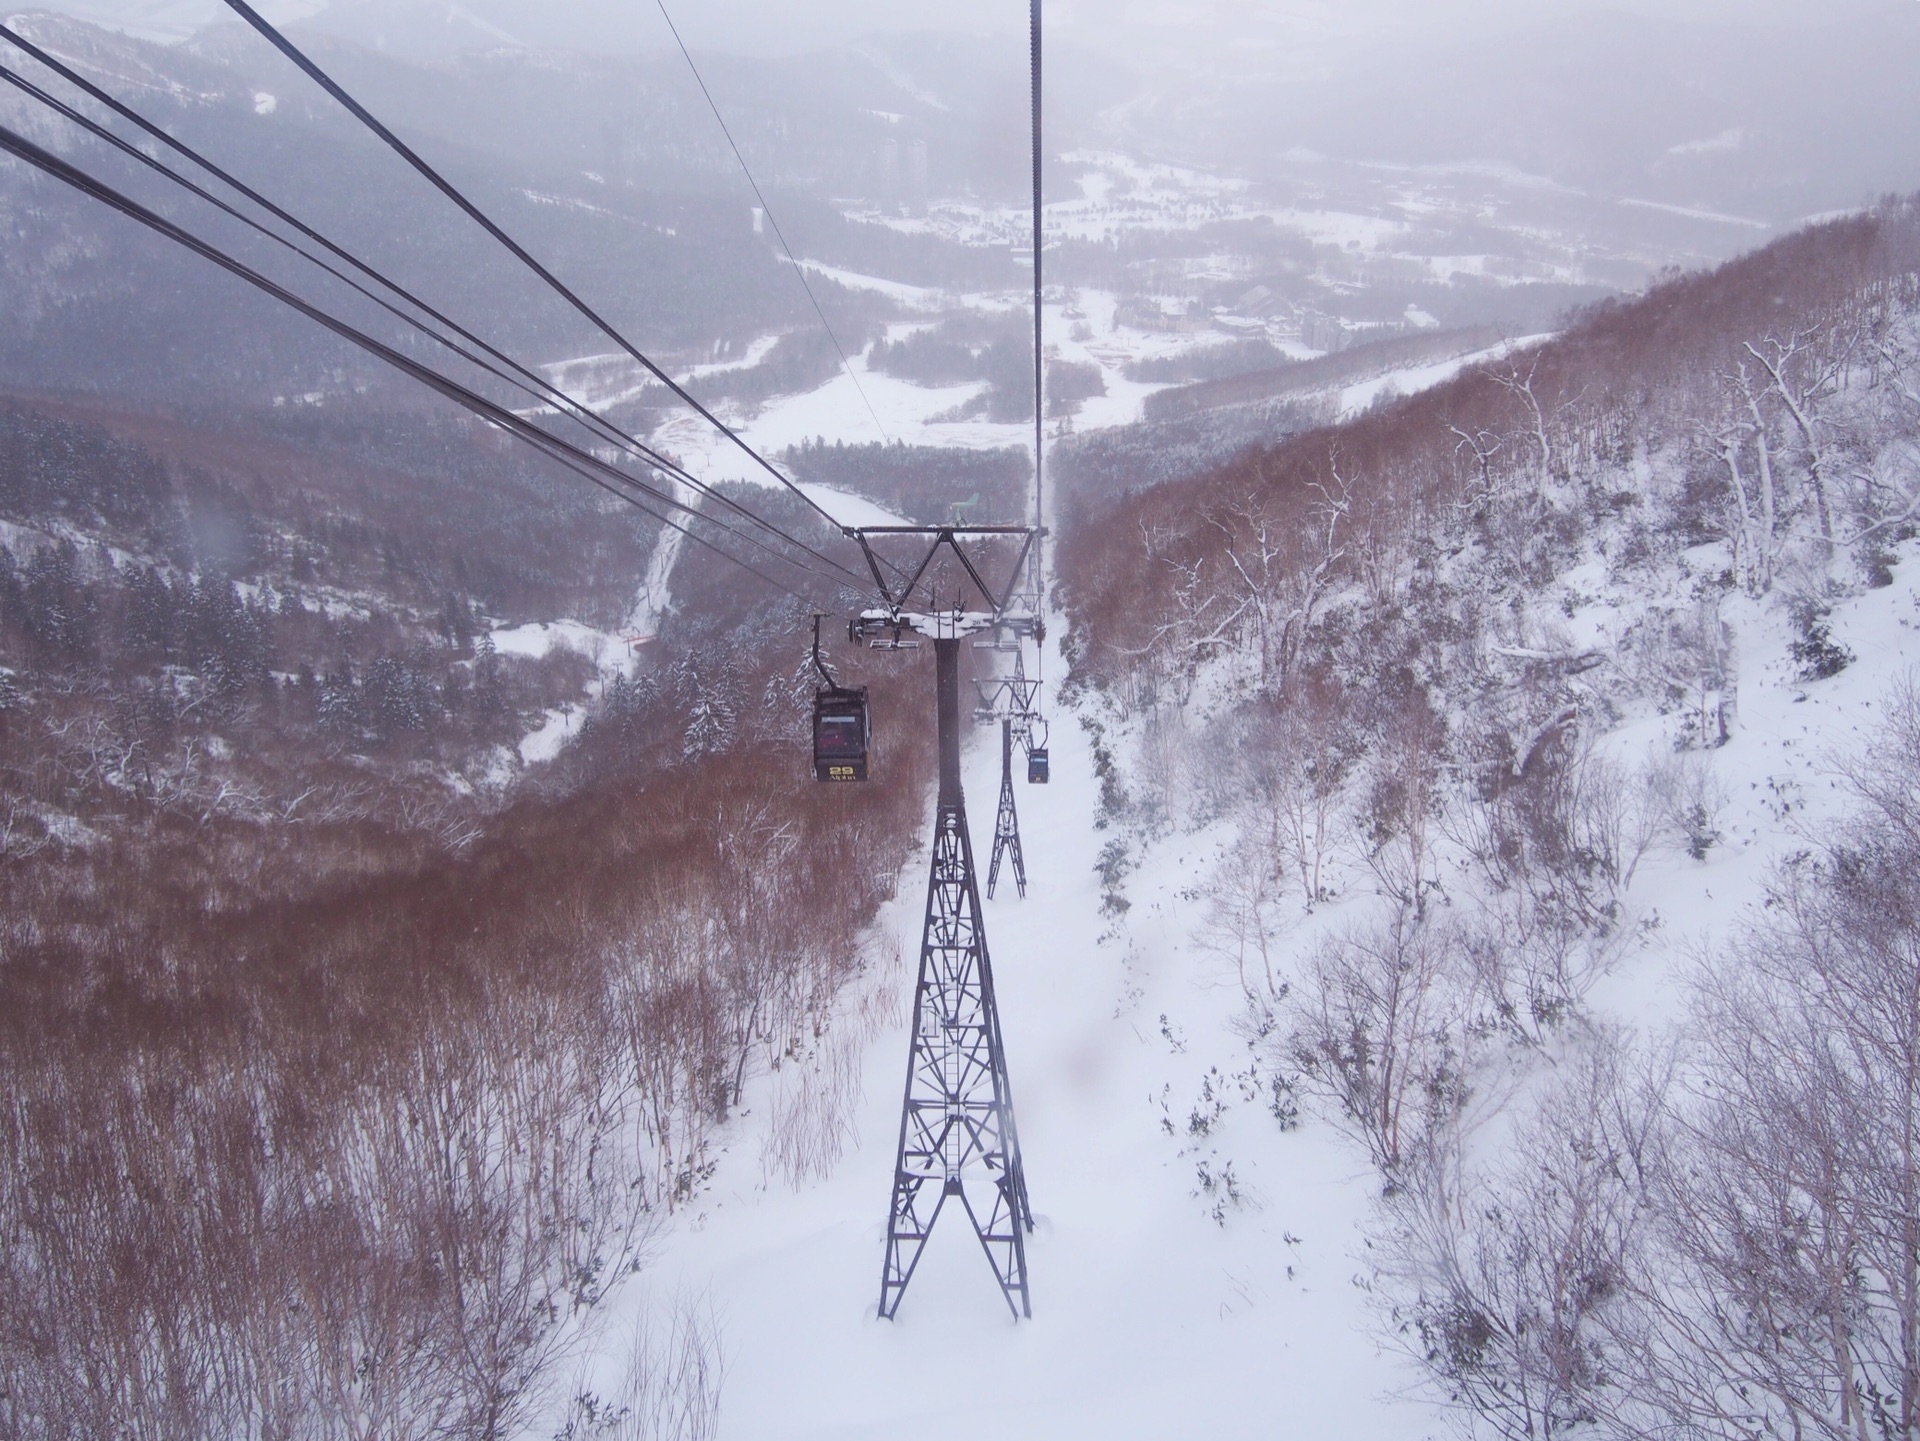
1323,332
1145,314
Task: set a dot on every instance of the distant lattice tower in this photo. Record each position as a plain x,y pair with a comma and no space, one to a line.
1006,822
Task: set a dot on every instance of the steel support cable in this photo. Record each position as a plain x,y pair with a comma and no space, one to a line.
1039,362
479,217
528,381
566,455
767,209
609,478
646,454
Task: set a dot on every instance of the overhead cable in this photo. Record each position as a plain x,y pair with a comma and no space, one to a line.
101,132
1039,361
767,210
473,212
609,478
521,377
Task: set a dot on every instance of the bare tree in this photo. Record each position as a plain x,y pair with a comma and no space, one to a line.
1501,1272
670,1385
1887,478
1633,810
1803,372
1403,803
1377,1031
1300,757
1484,445
1521,381
1278,560
1755,523
1243,913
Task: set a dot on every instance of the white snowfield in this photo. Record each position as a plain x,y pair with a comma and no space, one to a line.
868,406
1394,214
1414,378
613,654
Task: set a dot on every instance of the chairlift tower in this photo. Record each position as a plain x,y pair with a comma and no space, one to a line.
958,1141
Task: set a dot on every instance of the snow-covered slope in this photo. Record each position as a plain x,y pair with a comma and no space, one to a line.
1223,1246
1163,1306
1152,1318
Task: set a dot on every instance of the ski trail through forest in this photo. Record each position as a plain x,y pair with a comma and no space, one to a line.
654,598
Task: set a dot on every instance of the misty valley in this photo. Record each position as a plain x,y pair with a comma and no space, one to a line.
1306,620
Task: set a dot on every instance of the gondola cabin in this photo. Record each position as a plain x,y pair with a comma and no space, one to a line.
1037,766
842,734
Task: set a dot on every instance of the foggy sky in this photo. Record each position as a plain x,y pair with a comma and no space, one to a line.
1132,29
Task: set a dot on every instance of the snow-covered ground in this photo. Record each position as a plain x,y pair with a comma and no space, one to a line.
613,654
1199,1269
1776,779
1152,1319
1412,379
869,406
1163,1308
883,408
1389,214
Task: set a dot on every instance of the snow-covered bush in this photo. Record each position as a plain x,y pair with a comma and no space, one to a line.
1503,1275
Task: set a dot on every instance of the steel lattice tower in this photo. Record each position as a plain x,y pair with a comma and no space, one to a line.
957,1125
1006,825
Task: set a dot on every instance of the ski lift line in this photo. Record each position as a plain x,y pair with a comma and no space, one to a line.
589,467
522,378
584,465
1038,373
479,217
1039,361
1039,572
767,210
563,455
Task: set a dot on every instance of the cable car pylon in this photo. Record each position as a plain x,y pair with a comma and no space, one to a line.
1010,700
1006,825
957,1115
958,1140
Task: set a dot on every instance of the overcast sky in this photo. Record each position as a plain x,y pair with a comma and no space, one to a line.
1131,26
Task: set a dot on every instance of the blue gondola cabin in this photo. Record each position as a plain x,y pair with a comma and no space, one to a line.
1037,766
